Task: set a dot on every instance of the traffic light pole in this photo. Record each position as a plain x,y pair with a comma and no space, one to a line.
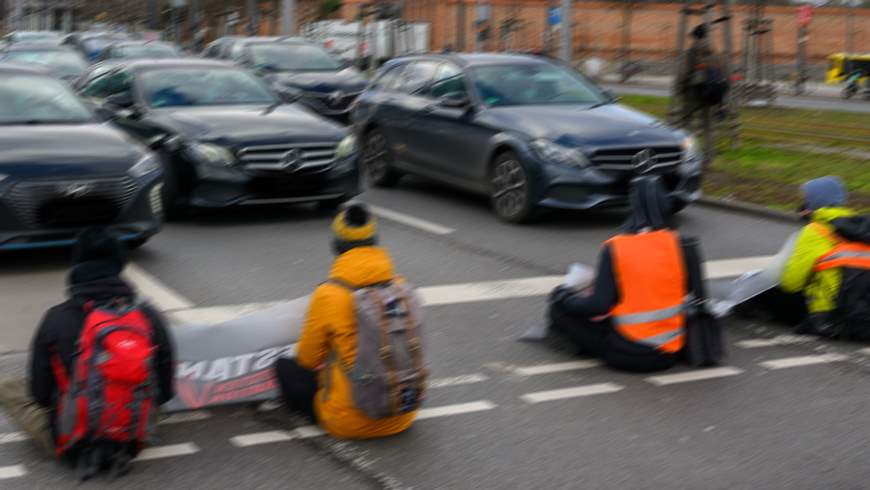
567,24
288,11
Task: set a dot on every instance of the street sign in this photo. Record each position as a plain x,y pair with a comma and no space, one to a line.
554,16
805,15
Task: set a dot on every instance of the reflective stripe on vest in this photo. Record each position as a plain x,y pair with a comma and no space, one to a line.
847,255
649,316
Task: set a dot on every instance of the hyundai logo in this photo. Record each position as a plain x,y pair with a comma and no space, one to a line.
644,161
76,190
291,159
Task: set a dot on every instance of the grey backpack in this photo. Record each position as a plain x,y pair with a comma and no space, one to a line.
388,377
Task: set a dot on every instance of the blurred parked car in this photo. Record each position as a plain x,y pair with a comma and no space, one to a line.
134,50
226,137
525,131
46,37
63,169
60,61
322,82
91,44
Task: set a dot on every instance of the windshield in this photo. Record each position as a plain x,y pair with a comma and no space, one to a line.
64,64
293,57
36,37
533,84
146,51
33,99
184,87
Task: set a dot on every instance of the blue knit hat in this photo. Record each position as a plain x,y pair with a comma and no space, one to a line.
825,192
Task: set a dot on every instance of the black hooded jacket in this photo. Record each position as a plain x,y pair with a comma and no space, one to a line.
61,326
650,210
855,229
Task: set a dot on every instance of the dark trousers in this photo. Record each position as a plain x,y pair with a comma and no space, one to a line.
598,339
777,306
298,386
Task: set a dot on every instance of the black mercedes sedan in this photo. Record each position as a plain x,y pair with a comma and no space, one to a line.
226,138
324,83
63,169
525,131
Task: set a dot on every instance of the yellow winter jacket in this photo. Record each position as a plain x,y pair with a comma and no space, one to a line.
330,330
820,289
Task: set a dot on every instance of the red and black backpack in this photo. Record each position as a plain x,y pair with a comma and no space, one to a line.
111,392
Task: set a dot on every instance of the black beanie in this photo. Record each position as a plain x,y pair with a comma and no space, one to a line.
97,254
354,226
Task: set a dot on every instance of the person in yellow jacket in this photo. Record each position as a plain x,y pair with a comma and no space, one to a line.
314,383
824,202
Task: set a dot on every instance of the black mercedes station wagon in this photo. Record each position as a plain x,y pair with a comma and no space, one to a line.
63,169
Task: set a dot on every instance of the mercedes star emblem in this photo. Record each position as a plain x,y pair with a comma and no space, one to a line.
291,159
76,190
644,161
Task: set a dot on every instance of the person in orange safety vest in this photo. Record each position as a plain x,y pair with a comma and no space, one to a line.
634,316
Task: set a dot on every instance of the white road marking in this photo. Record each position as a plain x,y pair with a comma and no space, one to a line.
575,392
555,368
466,379
258,438
448,294
408,220
15,471
866,351
182,417
789,362
458,409
11,437
171,451
697,375
160,295
273,436
774,341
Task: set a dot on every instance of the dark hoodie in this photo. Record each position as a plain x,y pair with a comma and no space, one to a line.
650,210
94,278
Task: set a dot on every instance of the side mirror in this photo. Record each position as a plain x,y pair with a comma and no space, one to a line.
288,95
611,96
455,100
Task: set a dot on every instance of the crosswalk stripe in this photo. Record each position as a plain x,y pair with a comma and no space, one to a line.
789,362
11,437
865,351
698,375
273,436
171,451
575,392
15,471
555,367
159,294
458,409
414,222
465,379
774,341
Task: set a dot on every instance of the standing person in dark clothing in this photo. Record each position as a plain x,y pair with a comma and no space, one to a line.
633,319
94,281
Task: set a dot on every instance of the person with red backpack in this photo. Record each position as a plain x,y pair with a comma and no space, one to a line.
359,368
101,363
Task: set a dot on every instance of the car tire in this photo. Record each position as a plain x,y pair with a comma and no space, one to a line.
511,195
172,210
378,161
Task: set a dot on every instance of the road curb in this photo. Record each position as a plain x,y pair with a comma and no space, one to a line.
747,208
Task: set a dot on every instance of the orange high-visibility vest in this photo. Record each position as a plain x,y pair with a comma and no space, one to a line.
650,273
853,255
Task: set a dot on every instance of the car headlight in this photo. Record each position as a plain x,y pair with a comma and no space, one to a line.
148,164
346,148
552,152
691,151
209,154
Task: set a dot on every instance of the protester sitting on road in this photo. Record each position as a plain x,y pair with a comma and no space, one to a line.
100,337
633,318
826,280
358,369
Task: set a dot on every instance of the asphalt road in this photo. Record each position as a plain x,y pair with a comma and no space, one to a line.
783,100
782,412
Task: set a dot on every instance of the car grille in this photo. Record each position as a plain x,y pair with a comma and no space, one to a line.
289,159
60,203
657,159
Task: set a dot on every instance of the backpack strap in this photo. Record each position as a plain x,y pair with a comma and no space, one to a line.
386,350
